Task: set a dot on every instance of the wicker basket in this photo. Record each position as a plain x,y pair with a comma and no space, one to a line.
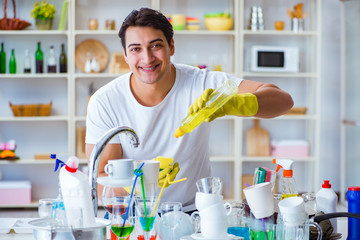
31,110
12,23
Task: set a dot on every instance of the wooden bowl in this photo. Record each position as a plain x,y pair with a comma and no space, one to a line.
94,48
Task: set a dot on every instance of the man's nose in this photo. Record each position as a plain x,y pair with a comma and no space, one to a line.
148,56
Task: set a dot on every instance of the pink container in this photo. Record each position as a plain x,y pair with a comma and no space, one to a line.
290,148
15,192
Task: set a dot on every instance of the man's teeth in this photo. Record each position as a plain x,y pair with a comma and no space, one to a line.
148,68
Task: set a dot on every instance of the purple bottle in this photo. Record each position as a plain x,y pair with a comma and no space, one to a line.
353,197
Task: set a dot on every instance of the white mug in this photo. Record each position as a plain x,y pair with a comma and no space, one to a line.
120,168
150,172
218,211
214,229
204,200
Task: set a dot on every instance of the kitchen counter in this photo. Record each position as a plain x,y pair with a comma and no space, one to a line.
32,213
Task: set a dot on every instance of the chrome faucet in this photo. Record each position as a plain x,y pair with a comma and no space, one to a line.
96,155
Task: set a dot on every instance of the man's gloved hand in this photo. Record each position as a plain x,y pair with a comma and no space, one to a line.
173,172
243,104
166,168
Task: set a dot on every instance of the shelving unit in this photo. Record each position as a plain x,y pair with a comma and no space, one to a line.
69,92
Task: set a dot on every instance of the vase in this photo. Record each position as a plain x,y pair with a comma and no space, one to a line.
43,24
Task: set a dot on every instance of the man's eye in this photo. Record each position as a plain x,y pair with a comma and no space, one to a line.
134,49
156,45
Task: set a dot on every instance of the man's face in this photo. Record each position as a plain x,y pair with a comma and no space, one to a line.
148,54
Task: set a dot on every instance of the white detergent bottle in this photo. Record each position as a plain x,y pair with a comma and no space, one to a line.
76,195
326,200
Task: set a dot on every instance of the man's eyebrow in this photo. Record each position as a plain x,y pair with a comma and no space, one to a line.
152,41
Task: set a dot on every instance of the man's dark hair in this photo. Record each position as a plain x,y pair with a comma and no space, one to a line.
146,17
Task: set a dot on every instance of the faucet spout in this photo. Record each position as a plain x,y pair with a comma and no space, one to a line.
96,155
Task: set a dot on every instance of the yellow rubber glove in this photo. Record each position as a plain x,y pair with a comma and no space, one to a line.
164,162
174,171
166,168
243,104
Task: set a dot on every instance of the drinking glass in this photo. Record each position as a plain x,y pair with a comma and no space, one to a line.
210,185
122,220
45,207
146,212
109,197
170,215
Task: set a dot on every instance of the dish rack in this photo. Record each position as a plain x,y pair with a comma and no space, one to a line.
31,110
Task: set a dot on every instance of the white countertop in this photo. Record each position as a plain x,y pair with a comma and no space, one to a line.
32,213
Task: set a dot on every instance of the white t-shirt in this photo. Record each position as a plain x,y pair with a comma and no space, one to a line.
114,105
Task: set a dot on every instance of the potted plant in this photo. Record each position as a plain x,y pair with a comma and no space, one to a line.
44,14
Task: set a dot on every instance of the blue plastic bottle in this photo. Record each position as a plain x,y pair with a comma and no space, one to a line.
353,197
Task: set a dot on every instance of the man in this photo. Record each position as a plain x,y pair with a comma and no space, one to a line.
156,95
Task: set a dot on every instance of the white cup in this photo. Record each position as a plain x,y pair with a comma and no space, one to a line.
150,172
214,229
120,168
204,200
292,205
215,212
260,199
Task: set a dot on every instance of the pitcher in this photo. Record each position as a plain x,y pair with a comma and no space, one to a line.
295,227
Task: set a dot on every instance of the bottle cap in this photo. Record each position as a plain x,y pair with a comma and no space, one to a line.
326,184
354,188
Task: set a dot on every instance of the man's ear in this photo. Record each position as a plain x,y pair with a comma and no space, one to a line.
125,56
172,47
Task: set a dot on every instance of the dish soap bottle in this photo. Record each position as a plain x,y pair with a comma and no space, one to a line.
216,100
288,184
76,194
326,200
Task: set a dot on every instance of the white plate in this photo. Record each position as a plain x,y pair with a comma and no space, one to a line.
200,237
115,182
6,224
22,225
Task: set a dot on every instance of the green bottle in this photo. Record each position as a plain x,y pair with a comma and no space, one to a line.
39,59
63,60
12,63
2,59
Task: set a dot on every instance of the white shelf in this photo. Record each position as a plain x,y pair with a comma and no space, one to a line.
73,94
34,32
32,119
279,33
269,159
204,32
34,75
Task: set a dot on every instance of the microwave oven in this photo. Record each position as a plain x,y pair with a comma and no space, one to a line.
274,59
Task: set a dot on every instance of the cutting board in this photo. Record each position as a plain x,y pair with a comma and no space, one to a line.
257,140
93,48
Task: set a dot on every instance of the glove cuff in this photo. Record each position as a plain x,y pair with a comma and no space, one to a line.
246,104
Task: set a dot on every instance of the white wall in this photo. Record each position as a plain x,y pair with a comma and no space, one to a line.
330,95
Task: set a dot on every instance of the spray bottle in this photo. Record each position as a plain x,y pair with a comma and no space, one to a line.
58,209
76,195
288,184
216,100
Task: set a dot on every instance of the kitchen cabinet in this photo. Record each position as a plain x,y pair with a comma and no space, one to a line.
69,91
350,125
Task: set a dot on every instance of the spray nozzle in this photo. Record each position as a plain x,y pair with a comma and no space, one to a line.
286,164
71,164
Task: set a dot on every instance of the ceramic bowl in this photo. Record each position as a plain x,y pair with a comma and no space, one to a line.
218,21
